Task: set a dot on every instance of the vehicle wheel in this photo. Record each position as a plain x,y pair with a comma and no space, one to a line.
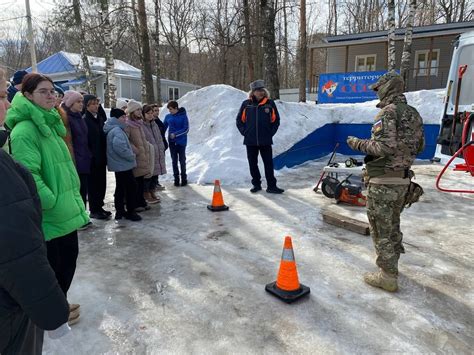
328,186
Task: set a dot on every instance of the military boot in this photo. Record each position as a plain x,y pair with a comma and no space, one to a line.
382,279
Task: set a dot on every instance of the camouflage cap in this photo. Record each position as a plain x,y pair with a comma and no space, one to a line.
388,76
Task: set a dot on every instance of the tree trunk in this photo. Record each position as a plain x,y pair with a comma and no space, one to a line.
302,52
391,35
110,91
248,43
285,45
157,51
405,63
145,42
270,56
90,88
139,47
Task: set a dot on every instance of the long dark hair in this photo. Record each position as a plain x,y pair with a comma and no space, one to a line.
31,81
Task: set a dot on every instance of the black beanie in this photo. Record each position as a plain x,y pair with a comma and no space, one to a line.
87,98
117,113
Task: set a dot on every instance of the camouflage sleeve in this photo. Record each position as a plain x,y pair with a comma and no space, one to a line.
421,147
383,141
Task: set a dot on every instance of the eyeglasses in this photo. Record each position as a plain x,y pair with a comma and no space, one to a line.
46,92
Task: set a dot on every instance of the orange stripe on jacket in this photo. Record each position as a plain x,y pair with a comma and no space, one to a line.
274,116
244,115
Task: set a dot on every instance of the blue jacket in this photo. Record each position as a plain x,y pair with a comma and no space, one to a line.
258,121
120,156
178,125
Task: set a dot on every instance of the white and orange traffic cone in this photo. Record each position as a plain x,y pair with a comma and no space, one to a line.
217,203
287,287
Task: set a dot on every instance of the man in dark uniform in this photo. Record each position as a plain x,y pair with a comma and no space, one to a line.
258,121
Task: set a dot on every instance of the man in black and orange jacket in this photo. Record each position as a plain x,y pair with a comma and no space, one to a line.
258,121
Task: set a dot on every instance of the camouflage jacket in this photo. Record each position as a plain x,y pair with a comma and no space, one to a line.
397,137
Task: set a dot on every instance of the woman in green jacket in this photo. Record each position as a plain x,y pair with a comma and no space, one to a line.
37,142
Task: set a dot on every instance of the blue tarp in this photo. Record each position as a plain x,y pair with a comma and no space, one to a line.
347,87
322,141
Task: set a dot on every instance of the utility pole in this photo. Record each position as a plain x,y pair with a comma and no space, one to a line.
31,38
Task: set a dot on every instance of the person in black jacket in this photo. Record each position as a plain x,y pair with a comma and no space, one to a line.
258,121
31,300
95,118
161,125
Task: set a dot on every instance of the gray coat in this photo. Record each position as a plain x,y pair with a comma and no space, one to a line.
154,137
120,156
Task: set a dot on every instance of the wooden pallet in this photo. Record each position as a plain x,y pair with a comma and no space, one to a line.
345,222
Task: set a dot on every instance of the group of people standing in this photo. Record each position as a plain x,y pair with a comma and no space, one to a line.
65,143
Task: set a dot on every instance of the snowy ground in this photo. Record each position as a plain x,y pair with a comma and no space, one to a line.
186,280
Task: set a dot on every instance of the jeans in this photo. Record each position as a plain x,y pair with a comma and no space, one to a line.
178,153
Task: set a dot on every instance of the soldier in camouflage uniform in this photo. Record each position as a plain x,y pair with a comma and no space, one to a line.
397,137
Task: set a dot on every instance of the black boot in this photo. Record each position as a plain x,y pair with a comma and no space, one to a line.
275,190
255,188
176,181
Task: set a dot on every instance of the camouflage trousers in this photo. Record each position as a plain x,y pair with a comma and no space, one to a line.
384,206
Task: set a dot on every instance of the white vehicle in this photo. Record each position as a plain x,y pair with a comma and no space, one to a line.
456,137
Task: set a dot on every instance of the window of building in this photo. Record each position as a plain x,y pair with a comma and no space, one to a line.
173,93
426,62
365,62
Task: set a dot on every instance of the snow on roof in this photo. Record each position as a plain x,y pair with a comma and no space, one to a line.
215,149
98,63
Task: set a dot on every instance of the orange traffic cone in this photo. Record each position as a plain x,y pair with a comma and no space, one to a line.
217,203
287,286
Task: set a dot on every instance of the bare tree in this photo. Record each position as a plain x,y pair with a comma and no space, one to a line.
146,56
248,42
177,25
269,48
90,87
405,62
391,35
156,39
111,87
302,52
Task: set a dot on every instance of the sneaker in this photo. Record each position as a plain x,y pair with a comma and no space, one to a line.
133,217
255,189
73,317
99,215
73,307
108,213
274,190
149,198
382,279
85,226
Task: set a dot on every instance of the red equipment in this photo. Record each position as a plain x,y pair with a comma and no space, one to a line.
467,147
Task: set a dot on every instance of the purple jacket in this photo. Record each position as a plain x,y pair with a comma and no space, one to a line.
80,144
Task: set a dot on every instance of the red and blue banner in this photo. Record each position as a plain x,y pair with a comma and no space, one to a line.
347,87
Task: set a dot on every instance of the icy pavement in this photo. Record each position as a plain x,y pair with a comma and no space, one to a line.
186,280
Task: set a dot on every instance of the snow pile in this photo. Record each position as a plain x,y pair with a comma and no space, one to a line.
215,149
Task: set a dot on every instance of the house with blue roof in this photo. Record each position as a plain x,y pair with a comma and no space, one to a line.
66,70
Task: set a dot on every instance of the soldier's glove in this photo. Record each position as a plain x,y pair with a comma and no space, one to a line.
353,142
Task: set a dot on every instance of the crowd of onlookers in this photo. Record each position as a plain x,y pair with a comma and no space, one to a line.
62,144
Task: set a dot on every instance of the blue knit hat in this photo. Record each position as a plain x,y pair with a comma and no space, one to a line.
18,77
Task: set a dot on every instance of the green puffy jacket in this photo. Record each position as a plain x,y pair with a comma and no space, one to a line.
37,142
